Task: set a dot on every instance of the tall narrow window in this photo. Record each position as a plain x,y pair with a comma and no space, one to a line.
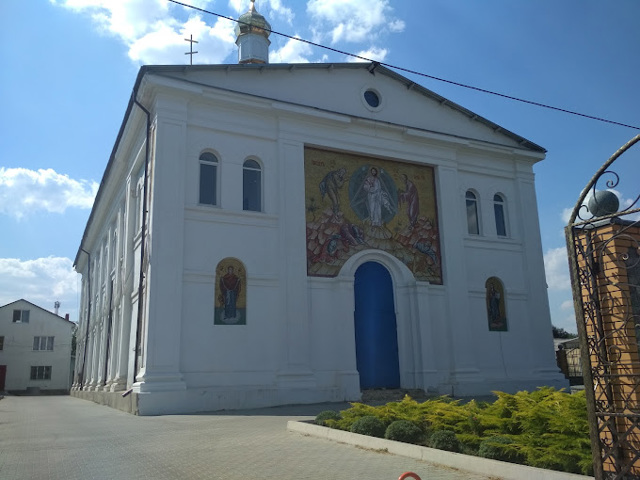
251,186
498,208
472,213
208,179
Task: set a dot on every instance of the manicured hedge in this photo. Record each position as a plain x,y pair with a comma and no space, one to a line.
546,428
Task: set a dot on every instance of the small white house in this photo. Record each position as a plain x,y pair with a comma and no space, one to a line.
274,233
35,349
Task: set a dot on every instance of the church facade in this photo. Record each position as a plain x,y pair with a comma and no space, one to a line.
271,234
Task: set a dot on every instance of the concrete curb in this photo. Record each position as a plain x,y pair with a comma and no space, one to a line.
485,466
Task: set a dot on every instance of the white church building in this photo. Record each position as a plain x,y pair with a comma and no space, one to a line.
270,234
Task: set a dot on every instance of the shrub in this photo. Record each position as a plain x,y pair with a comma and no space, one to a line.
357,410
368,425
404,431
445,440
500,448
325,415
548,427
469,443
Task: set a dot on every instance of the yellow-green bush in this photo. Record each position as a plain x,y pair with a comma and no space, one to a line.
548,428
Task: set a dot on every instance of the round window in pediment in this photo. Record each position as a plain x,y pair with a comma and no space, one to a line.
372,98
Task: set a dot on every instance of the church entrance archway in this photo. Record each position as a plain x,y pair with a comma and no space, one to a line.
375,328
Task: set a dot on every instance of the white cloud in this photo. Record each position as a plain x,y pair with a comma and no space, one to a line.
166,44
239,5
293,51
567,305
353,20
41,281
154,34
127,19
557,269
268,8
374,53
566,215
24,191
154,31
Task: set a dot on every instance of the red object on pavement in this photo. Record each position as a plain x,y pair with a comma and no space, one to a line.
409,475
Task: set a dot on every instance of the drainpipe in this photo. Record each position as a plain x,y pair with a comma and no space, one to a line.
86,336
143,240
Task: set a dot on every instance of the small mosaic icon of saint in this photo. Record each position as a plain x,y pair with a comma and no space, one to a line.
230,290
495,305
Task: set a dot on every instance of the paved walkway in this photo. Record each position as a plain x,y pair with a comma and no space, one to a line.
67,438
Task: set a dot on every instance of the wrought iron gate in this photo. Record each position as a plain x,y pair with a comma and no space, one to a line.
603,240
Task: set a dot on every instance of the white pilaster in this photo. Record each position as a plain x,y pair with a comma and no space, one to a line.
293,274
461,347
161,367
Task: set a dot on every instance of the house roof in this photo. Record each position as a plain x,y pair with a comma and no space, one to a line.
39,308
372,67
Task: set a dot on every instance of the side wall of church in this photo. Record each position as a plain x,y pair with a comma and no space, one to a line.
109,265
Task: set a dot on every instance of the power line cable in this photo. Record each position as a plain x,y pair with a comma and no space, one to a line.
414,72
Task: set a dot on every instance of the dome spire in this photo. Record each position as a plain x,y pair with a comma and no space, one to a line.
252,37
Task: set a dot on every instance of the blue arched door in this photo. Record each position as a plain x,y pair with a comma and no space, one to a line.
375,328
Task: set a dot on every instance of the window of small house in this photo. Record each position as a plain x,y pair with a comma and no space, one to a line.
41,373
43,343
21,316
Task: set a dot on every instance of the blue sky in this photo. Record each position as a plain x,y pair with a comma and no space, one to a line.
68,68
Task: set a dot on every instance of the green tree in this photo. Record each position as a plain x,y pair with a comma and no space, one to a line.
562,333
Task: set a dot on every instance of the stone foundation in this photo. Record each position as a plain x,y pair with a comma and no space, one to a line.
115,400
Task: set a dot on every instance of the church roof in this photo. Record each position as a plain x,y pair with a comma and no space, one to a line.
179,72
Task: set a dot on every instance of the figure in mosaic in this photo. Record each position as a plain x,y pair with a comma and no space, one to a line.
377,197
410,196
230,288
331,185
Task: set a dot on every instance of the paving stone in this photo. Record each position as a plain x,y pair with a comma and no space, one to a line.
65,438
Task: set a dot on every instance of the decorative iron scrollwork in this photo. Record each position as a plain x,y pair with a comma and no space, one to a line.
603,240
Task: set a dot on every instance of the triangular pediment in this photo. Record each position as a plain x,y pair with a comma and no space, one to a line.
341,88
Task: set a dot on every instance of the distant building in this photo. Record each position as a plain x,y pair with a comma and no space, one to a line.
35,349
273,233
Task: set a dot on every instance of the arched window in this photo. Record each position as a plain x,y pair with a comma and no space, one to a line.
251,186
473,225
499,210
208,179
